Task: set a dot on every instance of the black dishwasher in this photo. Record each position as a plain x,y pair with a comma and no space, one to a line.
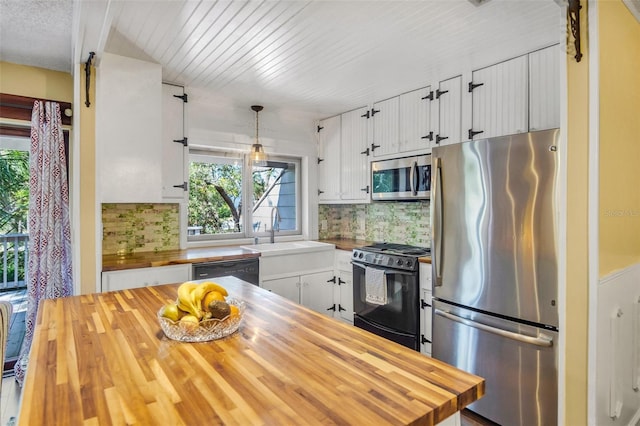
246,269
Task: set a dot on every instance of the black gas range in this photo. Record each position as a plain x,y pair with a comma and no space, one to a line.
397,317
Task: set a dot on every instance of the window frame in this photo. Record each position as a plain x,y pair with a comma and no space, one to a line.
246,213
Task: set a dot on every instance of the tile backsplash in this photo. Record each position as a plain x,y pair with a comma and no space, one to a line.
131,228
393,222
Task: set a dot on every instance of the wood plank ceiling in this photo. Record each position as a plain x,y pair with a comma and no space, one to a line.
324,57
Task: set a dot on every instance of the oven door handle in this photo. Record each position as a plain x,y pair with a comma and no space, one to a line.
543,340
386,271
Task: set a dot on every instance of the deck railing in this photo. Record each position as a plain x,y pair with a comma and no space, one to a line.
14,263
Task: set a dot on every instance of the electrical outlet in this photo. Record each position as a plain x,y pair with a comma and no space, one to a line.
323,225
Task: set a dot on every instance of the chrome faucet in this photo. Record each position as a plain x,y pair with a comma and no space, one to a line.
274,226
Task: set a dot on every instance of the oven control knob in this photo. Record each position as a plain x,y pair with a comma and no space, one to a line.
360,255
409,263
399,262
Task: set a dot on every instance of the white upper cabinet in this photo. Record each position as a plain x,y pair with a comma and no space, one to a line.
416,130
544,88
386,135
499,99
354,173
128,130
343,170
449,98
174,142
329,163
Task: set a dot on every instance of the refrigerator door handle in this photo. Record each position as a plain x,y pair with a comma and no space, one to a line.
543,340
437,221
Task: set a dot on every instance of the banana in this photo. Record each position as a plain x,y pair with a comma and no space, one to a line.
216,287
185,299
198,293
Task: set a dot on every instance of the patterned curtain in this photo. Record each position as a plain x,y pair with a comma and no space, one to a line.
49,274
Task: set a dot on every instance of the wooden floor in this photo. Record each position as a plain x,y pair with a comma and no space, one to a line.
9,401
469,418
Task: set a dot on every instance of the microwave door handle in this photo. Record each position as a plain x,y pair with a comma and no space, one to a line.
437,221
414,174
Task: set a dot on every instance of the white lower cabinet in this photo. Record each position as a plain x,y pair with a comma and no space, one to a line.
316,292
144,277
425,322
288,287
425,309
328,291
303,278
343,288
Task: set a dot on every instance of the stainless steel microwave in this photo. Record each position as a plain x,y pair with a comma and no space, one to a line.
407,178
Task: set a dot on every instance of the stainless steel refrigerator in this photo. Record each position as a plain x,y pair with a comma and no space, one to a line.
495,272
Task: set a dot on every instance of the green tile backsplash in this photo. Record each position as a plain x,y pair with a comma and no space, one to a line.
131,228
393,222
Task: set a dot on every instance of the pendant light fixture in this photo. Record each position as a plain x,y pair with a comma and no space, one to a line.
258,156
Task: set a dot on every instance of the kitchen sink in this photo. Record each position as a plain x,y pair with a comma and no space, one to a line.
289,247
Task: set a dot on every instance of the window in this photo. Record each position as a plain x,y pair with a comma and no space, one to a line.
229,198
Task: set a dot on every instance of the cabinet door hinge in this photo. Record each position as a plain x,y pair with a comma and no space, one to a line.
429,96
184,97
440,93
472,133
473,86
441,138
429,136
184,186
183,141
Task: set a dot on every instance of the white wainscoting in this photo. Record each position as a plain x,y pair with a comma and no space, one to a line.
618,348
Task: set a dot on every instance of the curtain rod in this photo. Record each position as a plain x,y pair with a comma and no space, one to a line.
20,107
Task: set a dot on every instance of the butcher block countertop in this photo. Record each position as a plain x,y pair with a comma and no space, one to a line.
175,257
148,259
103,359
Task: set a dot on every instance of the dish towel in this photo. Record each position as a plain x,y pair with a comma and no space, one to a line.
375,282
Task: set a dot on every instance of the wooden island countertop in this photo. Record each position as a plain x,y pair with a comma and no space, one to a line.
103,359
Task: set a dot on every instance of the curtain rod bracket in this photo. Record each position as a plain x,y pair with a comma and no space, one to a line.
87,80
573,15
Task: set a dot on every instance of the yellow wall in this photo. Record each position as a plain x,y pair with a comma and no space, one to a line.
619,211
87,166
42,83
577,278
35,82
